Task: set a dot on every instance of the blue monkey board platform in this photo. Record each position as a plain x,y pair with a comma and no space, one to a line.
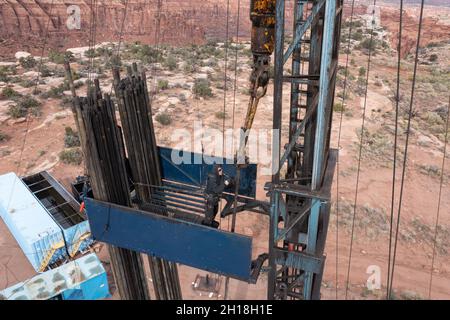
177,235
172,239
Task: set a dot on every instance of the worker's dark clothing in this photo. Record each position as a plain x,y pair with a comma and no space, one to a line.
215,186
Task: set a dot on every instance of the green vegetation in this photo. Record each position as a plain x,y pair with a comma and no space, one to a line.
71,138
357,35
27,83
377,147
66,101
54,92
372,222
60,57
72,156
28,63
91,53
202,88
144,53
113,62
164,118
369,44
171,63
9,93
362,71
45,71
339,107
354,24
430,170
4,74
163,85
3,137
221,115
25,105
58,92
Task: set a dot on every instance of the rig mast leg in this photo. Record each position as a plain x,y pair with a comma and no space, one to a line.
300,202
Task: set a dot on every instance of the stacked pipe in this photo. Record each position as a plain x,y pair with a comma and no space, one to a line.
136,120
105,163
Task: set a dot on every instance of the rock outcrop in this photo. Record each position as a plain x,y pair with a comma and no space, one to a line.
24,23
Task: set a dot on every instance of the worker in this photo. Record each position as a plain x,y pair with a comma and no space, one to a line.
215,186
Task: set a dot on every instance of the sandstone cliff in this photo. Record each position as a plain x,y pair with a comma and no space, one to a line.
24,22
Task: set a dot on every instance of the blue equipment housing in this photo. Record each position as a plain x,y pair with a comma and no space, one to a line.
81,279
37,234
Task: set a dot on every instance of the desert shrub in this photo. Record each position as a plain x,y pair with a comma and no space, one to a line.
15,111
433,118
430,170
53,92
24,105
357,35
60,57
362,71
355,24
212,62
66,101
91,53
113,62
339,107
72,156
3,137
369,44
434,44
202,88
377,145
145,53
189,67
4,74
433,57
105,52
182,97
71,138
163,85
28,62
29,102
27,83
171,63
45,71
164,118
9,93
221,115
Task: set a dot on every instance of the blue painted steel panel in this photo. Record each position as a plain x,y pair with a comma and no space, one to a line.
84,278
195,170
174,240
32,227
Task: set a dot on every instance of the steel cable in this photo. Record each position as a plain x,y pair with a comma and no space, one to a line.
394,170
360,152
405,158
339,143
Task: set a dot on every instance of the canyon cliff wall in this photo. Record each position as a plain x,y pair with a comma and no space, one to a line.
24,22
